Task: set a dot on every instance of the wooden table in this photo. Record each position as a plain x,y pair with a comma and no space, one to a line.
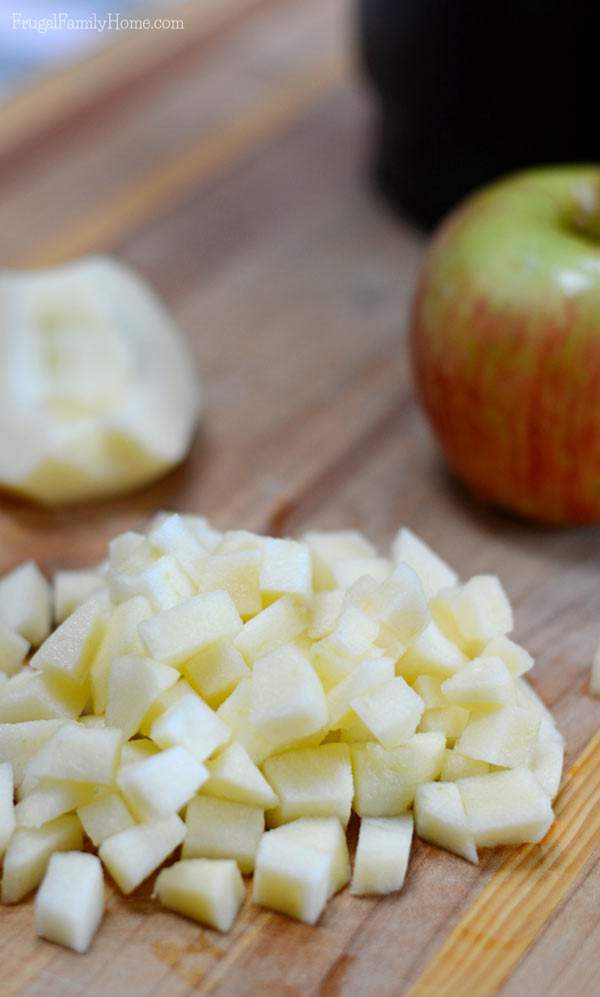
228,163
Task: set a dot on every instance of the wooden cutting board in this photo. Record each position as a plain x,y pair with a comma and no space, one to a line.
227,161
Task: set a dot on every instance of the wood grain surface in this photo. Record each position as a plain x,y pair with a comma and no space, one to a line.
228,162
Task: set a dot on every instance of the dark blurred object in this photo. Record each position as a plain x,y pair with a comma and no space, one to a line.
469,90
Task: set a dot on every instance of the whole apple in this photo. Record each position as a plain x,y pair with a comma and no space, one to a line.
505,338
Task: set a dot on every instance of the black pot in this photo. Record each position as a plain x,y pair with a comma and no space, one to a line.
470,89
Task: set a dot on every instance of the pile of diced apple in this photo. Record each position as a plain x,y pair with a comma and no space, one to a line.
236,697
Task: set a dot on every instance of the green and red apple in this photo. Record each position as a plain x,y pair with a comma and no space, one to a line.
505,338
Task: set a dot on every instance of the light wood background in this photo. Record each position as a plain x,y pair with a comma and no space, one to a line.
228,163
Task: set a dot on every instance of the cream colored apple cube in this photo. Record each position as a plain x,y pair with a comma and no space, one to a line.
528,699
161,784
286,569
222,829
506,737
130,552
338,654
189,722
327,548
173,536
205,534
237,573
104,817
433,571
440,818
385,781
133,854
50,800
287,700
431,653
25,602
72,588
29,851
34,696
484,681
472,614
450,721
457,766
347,571
278,624
235,713
70,902
216,671
78,754
547,765
232,540
516,658
400,607
210,891
69,651
429,688
19,742
120,639
311,782
325,610
506,808
13,650
391,711
382,854
232,775
136,751
134,684
173,636
368,675
7,808
326,835
291,878
163,583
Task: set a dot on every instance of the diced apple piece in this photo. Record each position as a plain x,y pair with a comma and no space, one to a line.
210,891
120,639
161,784
485,681
457,766
516,658
433,571
311,782
286,569
447,720
291,877
399,606
25,604
327,548
216,671
50,800
70,902
189,722
234,776
13,650
78,754
233,540
325,611
68,652
33,696
7,808
528,699
176,634
506,808
174,537
163,583
278,624
391,711
326,835
337,655
130,552
365,677
440,818
133,854
350,569
287,699
385,781
72,588
235,712
222,829
29,852
91,720
237,573
429,688
382,854
205,534
104,817
432,653
547,765
19,742
134,684
472,614
506,737
136,751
